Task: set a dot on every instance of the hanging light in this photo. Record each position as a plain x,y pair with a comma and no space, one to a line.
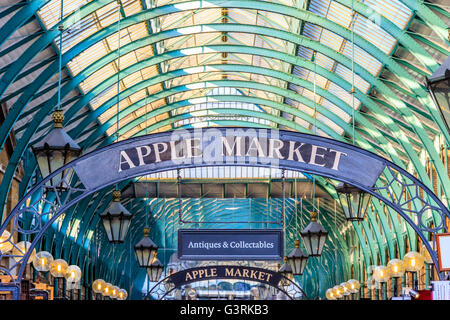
116,220
413,261
314,236
73,274
297,259
5,242
42,260
286,271
98,285
354,201
56,150
146,250
439,87
155,270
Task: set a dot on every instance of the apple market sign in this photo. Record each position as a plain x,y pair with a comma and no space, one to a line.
229,147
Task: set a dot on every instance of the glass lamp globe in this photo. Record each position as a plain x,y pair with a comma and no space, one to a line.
73,273
330,295
5,242
98,285
396,268
123,294
56,150
354,285
115,292
346,288
58,268
107,289
413,261
381,274
21,249
42,260
337,292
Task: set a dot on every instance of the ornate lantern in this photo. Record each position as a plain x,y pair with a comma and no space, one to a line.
314,236
354,201
155,270
146,250
116,220
439,87
297,259
56,150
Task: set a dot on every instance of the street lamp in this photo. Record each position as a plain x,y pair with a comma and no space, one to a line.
58,269
286,271
337,292
116,220
314,236
354,201
107,290
297,259
56,150
6,242
97,287
42,260
346,289
381,276
438,85
146,250
330,295
354,286
396,269
123,294
413,262
115,292
155,270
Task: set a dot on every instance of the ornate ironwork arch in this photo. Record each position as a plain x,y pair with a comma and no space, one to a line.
391,184
167,285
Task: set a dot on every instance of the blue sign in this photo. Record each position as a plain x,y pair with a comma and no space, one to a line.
230,244
229,147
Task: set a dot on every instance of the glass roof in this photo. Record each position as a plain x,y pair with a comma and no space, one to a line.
196,28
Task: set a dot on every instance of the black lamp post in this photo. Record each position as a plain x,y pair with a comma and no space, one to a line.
116,220
146,250
297,259
56,150
155,270
314,236
354,201
439,87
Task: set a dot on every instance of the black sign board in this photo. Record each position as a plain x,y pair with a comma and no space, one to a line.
225,272
230,244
